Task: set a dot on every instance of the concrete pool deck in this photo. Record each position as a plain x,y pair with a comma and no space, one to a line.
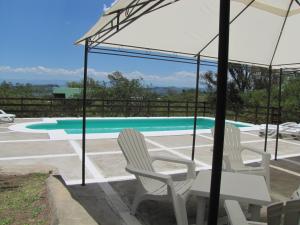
105,162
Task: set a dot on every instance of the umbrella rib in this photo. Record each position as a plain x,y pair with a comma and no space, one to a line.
240,13
151,8
281,31
125,10
126,19
115,17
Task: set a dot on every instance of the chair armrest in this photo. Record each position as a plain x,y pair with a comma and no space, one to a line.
266,157
256,151
235,213
173,159
189,163
256,223
156,176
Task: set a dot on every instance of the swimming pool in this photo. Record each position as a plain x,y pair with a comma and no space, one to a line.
115,125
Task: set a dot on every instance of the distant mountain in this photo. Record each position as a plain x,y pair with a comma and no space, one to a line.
166,90
36,82
57,83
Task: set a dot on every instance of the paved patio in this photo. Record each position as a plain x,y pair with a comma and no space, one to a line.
105,165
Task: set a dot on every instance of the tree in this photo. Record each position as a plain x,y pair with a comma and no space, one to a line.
291,93
121,87
241,80
7,89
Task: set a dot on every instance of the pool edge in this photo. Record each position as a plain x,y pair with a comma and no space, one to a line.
62,135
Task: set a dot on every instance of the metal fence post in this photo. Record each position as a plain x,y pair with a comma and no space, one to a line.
148,108
78,106
126,113
236,114
22,107
187,108
102,113
256,114
272,114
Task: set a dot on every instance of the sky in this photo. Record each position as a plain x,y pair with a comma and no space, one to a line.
37,46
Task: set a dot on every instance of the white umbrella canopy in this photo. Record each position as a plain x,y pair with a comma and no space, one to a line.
262,32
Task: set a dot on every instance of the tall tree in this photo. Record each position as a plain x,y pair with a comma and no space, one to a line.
241,79
123,88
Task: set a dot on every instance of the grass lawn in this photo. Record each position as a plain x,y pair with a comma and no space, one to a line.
23,200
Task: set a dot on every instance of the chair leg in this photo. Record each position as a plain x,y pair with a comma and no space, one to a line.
137,200
180,210
267,176
266,165
139,196
268,181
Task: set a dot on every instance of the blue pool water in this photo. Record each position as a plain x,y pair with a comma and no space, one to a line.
74,126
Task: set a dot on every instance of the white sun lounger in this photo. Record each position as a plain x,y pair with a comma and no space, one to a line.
292,132
272,128
7,117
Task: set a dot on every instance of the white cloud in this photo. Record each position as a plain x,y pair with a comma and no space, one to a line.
185,74
180,78
46,71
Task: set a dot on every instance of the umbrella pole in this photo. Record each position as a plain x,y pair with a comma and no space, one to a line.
196,107
268,107
220,112
86,48
279,112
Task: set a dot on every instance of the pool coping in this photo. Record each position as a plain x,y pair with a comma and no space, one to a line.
62,135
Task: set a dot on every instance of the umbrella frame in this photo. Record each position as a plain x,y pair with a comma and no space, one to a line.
110,29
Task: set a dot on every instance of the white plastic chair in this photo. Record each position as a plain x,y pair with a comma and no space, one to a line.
153,185
292,209
277,213
292,212
237,217
232,155
8,117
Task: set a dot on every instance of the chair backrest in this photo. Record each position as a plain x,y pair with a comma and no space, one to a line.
274,212
134,148
232,144
292,212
